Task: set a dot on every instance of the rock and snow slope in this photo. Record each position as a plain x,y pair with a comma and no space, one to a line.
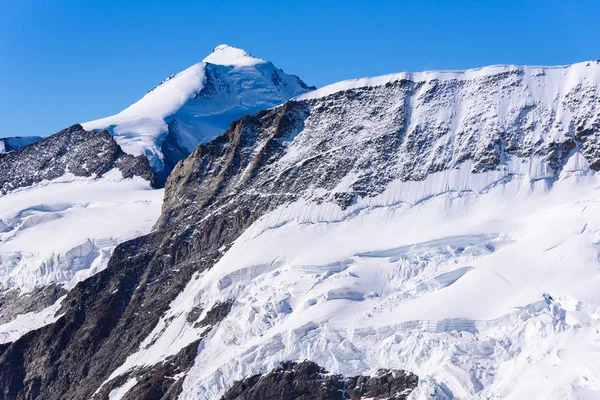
65,203
464,247
198,104
442,223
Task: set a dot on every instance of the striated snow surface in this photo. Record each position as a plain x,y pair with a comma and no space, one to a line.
198,104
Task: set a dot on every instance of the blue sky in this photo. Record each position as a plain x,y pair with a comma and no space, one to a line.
63,62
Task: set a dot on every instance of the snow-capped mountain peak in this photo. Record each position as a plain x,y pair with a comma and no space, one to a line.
198,104
228,55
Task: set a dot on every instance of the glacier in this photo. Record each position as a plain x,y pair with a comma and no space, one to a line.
63,230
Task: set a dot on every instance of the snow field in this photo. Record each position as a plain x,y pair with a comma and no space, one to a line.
63,231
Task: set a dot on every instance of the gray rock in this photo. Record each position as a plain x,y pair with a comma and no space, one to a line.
72,150
308,381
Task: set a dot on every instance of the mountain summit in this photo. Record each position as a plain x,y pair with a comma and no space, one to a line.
198,104
228,55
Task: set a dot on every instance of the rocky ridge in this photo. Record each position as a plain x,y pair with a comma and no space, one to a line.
307,381
72,150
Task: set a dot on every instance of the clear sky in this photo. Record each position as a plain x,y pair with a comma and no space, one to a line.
63,62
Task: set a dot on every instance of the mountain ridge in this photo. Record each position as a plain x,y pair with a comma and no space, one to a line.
404,225
45,159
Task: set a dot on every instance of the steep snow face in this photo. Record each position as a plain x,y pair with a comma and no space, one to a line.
64,230
198,104
441,223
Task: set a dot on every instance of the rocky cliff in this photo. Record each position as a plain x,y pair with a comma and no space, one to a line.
72,150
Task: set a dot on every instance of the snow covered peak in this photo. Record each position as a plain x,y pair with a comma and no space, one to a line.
198,104
228,55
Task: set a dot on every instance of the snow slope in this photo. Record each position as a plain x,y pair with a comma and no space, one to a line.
64,230
467,252
487,293
199,103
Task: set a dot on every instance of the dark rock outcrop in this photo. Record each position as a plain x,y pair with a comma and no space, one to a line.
72,150
308,381
161,382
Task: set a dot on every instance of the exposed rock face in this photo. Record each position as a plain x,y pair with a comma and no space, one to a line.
72,150
13,303
308,381
8,144
336,148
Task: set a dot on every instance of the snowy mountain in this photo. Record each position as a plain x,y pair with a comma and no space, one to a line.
13,143
198,104
66,201
435,233
49,189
